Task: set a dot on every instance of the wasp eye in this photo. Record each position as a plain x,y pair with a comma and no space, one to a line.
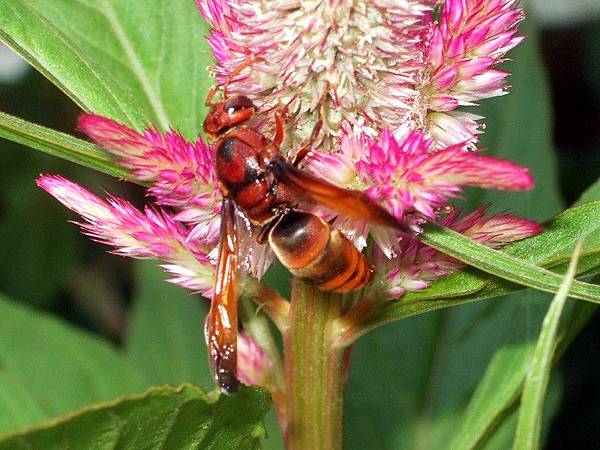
238,103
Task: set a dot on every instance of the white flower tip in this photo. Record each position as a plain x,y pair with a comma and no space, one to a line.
47,181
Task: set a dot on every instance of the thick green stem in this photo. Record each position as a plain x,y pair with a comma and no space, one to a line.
314,370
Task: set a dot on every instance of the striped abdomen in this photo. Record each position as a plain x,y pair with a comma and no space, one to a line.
318,254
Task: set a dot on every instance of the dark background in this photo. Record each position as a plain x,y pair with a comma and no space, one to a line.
46,263
572,56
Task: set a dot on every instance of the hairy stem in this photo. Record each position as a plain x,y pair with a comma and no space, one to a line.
314,370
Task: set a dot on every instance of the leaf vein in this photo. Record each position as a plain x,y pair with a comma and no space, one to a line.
137,67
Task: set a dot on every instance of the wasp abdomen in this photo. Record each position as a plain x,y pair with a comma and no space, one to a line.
318,254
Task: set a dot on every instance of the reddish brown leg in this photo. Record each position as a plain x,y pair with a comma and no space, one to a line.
211,94
248,62
279,128
306,148
235,73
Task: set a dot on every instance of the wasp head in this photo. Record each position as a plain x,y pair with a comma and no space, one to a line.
228,114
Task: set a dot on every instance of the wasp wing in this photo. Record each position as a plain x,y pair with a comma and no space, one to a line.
222,322
254,257
354,204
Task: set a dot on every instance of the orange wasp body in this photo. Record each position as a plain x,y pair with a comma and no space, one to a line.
256,180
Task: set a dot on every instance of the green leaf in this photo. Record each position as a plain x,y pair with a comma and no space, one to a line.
496,394
550,248
58,56
536,383
59,144
49,368
532,145
502,434
591,194
502,264
163,417
166,332
99,55
421,372
500,388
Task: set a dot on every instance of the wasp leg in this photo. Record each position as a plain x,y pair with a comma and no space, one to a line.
213,90
247,62
279,128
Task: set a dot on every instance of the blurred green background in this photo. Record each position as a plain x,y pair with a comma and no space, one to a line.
47,264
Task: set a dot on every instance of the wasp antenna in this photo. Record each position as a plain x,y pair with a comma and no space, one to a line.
211,94
246,63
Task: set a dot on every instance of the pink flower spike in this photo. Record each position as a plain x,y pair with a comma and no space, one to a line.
112,136
406,176
456,166
417,265
496,231
468,40
254,367
148,234
362,59
175,165
182,173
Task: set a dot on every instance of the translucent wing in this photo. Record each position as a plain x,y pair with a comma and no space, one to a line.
222,322
353,204
254,258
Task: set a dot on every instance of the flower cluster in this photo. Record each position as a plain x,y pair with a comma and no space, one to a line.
181,172
386,77
416,265
152,233
411,179
378,64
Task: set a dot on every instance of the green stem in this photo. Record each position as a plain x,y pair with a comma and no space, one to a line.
314,370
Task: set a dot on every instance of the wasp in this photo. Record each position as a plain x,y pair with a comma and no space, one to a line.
268,189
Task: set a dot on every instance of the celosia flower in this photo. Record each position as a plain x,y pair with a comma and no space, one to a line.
253,364
364,57
466,43
149,234
416,265
377,64
406,175
181,172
